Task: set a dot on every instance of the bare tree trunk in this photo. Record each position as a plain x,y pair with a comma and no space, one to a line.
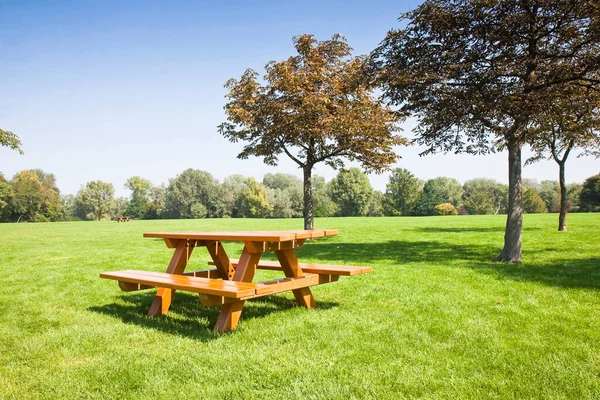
514,221
308,198
562,217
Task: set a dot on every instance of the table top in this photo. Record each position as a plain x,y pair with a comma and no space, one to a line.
262,236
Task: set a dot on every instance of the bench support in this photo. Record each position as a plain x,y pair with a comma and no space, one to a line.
162,300
230,313
289,264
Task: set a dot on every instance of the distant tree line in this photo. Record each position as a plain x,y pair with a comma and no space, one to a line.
32,195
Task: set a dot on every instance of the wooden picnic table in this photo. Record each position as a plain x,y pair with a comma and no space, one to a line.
230,284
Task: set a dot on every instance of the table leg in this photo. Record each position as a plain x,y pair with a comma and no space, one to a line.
291,268
231,312
162,300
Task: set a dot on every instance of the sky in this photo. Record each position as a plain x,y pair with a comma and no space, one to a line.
106,90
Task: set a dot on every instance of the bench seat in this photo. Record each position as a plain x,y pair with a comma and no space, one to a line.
217,287
321,269
131,280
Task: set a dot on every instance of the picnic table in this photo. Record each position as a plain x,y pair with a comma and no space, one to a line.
229,284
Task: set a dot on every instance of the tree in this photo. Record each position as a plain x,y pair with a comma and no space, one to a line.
140,190
96,199
34,197
9,139
484,196
532,202
550,192
352,192
313,107
254,200
286,192
571,120
156,202
376,205
231,195
323,205
26,201
6,195
403,189
437,191
188,189
477,73
589,198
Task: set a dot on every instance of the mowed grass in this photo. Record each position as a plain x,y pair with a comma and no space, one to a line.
435,319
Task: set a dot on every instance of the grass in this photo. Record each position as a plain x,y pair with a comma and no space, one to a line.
436,318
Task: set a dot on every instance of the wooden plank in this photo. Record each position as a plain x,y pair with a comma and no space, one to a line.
209,286
265,288
133,287
346,270
205,273
258,236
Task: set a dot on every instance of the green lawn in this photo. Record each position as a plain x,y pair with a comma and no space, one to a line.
435,319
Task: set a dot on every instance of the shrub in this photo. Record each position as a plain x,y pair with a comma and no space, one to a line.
533,203
445,209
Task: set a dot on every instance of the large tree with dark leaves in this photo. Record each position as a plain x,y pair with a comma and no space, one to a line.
314,107
476,72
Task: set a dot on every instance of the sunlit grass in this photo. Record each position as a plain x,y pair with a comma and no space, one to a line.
436,318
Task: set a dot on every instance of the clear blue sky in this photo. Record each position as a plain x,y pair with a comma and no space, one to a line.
111,89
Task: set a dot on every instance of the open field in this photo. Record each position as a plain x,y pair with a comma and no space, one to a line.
436,318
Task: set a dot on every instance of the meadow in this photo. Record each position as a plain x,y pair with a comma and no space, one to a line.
436,318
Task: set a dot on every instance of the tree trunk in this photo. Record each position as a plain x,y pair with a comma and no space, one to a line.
562,217
514,221
308,198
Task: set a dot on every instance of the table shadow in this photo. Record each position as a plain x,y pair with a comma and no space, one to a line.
187,317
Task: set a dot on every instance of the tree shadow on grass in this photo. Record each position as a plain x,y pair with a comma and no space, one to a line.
582,273
574,273
187,317
398,251
498,229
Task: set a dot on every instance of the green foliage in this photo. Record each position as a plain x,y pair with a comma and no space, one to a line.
198,210
96,200
323,205
9,139
285,194
33,196
377,204
573,194
589,197
549,191
120,207
485,196
231,195
6,195
445,209
189,188
254,200
352,192
532,202
437,191
140,190
403,190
